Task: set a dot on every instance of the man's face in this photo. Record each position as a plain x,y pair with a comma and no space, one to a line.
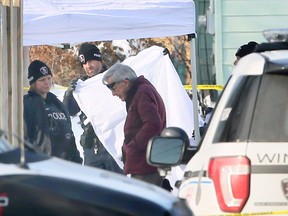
119,89
92,67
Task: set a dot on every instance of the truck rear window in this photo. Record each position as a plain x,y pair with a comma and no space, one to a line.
270,119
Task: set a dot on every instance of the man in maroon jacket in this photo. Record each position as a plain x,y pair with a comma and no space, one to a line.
146,117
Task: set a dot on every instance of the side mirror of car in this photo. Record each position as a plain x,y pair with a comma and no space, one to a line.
165,151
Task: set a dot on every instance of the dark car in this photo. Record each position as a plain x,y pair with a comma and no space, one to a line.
33,184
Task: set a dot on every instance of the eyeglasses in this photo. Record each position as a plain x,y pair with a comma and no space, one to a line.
111,86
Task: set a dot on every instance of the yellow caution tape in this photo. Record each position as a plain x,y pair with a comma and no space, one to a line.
187,87
284,212
205,87
53,87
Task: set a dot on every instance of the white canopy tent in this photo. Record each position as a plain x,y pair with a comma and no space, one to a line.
50,22
65,21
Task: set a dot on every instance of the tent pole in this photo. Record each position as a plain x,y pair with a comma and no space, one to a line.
194,88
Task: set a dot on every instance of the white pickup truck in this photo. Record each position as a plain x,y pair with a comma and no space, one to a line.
241,164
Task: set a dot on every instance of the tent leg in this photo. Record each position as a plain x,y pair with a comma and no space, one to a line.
194,90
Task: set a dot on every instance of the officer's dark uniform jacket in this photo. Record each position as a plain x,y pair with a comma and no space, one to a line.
47,126
95,153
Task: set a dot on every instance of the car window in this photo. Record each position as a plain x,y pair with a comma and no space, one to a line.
270,120
234,125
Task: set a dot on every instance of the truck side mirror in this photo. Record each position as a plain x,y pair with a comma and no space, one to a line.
165,151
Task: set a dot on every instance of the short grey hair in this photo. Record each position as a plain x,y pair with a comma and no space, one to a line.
119,72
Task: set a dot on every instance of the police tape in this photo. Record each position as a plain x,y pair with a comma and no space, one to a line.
56,87
186,87
205,87
284,212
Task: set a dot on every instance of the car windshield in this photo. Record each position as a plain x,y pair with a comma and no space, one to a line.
256,111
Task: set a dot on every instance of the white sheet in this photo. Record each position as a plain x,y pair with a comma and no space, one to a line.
107,113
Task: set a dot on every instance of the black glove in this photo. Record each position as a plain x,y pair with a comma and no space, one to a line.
71,88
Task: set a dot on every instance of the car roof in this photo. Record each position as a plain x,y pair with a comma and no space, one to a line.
58,168
255,63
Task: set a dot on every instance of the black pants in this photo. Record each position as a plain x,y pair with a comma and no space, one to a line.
102,159
95,154
153,178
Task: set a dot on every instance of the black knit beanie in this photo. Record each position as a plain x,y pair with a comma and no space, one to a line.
36,70
88,52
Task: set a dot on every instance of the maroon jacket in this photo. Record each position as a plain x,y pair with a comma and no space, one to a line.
146,117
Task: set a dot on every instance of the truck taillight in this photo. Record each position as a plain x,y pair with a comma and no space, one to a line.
231,177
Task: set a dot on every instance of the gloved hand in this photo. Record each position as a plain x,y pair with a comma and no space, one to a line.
71,88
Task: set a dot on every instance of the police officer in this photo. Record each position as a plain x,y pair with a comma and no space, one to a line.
95,153
47,123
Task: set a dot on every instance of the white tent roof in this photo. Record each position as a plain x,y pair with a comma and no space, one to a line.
65,21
